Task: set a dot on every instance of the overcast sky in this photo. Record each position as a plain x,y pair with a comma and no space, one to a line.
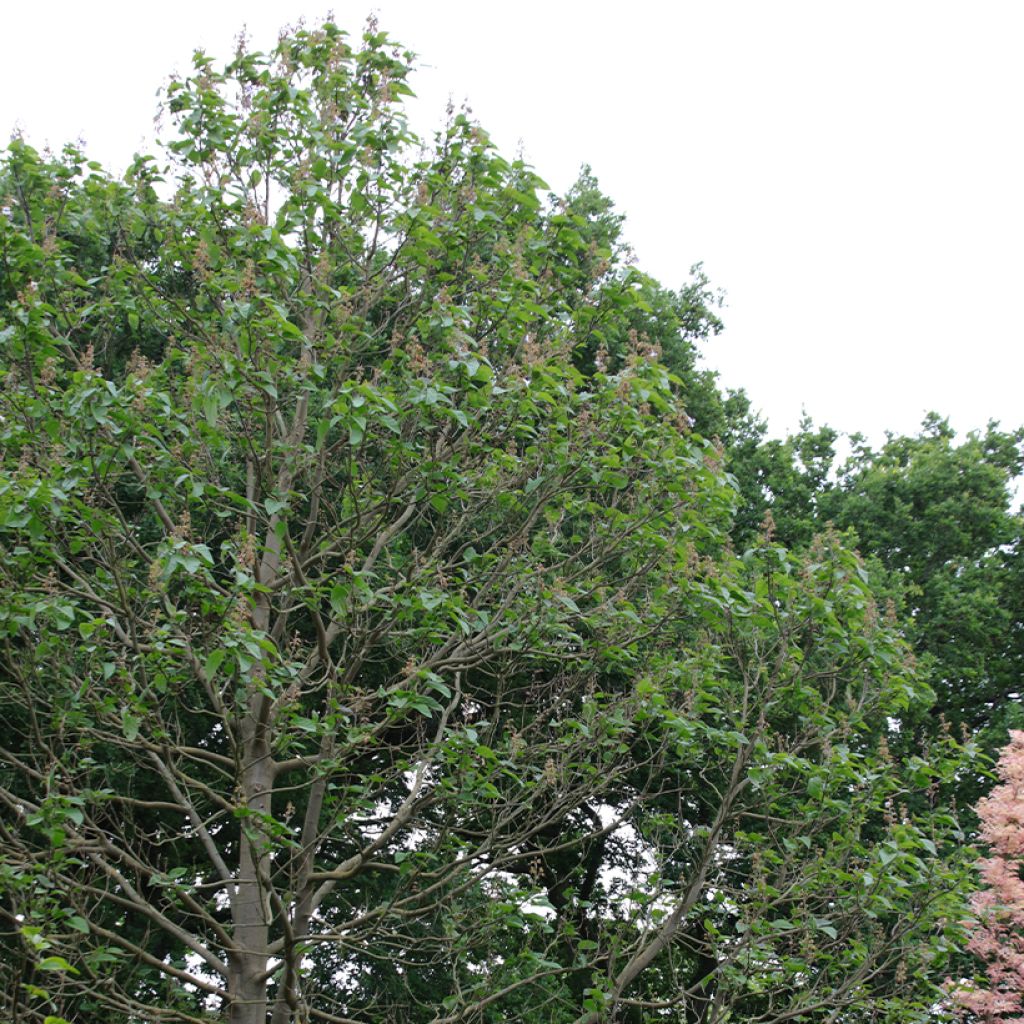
850,173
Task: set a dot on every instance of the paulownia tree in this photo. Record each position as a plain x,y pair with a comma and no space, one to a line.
370,645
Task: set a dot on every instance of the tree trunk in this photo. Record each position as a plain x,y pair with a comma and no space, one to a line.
247,983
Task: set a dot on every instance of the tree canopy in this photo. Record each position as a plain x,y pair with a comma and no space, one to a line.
933,517
382,633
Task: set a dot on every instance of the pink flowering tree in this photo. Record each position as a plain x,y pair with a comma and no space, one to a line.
998,937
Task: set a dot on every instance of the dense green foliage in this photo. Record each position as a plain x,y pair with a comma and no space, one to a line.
934,520
383,635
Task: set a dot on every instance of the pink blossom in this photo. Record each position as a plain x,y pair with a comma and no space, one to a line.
998,937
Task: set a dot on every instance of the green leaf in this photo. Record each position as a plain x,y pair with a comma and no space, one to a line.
211,409
356,430
430,599
130,723
213,662
339,599
56,963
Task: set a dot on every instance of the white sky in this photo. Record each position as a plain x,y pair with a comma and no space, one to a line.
851,172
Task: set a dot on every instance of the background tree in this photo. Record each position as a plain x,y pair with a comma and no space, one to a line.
372,643
933,517
937,516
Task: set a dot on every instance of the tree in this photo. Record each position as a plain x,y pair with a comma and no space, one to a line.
997,938
937,515
371,643
789,478
932,515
